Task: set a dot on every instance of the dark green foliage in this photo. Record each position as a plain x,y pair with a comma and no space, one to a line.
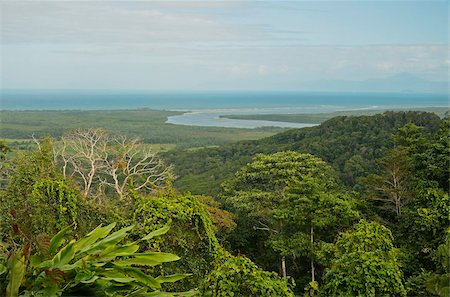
415,285
4,149
365,265
318,118
350,144
289,207
238,276
294,199
423,221
439,282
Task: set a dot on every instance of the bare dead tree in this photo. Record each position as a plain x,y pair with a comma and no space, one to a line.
60,155
99,161
83,154
133,167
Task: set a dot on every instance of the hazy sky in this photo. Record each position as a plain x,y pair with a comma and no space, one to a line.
187,45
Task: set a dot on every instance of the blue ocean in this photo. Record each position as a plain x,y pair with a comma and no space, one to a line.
206,108
91,100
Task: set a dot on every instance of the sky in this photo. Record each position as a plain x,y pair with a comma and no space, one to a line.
219,45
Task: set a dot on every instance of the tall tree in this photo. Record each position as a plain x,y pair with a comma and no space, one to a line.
366,264
294,197
392,187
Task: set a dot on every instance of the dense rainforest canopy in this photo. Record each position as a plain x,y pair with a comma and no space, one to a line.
358,206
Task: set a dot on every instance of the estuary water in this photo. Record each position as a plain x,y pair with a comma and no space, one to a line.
206,108
215,118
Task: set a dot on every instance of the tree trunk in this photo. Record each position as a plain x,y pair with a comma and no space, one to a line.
283,266
312,254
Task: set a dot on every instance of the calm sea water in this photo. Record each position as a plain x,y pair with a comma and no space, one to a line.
205,108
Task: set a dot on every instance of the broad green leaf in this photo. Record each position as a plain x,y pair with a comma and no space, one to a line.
120,279
58,240
116,251
84,275
138,293
148,259
158,256
112,273
111,240
140,262
86,242
115,289
142,278
68,267
35,261
64,256
169,294
50,291
45,264
91,280
158,232
171,278
17,267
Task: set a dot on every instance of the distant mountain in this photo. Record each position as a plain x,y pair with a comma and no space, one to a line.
402,82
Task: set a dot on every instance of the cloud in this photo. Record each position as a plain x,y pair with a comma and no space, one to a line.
106,22
188,43
236,69
263,69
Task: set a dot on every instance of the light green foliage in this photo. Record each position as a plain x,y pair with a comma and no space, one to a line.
192,235
365,265
53,200
97,264
53,204
238,276
29,168
258,187
168,206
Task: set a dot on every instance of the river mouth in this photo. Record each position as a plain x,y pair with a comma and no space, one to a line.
216,118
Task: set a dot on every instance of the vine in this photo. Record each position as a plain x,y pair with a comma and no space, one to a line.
61,196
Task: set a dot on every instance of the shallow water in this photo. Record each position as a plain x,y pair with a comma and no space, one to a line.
213,119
